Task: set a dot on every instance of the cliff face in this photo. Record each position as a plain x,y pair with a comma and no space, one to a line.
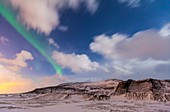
145,89
148,89
148,85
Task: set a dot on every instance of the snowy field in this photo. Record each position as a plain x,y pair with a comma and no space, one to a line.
48,103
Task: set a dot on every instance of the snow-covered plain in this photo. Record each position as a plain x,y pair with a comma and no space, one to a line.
18,103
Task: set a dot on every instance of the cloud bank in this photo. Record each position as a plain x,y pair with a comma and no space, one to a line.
142,45
144,51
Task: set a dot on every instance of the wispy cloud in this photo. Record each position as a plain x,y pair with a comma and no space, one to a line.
134,3
3,40
52,42
63,28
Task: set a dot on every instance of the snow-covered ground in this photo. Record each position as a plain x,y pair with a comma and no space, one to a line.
149,95
16,103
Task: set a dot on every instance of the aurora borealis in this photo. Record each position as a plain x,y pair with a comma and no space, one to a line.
28,36
48,42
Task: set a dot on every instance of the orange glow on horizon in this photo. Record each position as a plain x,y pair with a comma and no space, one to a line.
13,87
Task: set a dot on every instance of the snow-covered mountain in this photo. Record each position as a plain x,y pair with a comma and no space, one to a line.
147,89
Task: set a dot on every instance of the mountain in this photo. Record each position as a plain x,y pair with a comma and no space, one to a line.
147,89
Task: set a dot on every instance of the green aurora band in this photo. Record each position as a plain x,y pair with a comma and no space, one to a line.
11,18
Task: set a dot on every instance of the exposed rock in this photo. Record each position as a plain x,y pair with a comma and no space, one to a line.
147,89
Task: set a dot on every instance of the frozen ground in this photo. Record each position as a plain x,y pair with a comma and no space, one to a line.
148,95
48,103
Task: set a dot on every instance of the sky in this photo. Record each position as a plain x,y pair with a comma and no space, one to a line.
48,42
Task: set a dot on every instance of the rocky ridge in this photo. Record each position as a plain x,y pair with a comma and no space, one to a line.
147,89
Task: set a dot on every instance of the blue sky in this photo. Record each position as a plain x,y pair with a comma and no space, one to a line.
88,39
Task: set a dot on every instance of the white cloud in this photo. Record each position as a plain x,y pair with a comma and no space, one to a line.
43,15
142,45
3,40
77,63
92,5
37,14
134,3
106,45
52,42
165,31
18,62
144,51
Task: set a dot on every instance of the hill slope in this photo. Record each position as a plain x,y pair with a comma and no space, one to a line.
147,89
